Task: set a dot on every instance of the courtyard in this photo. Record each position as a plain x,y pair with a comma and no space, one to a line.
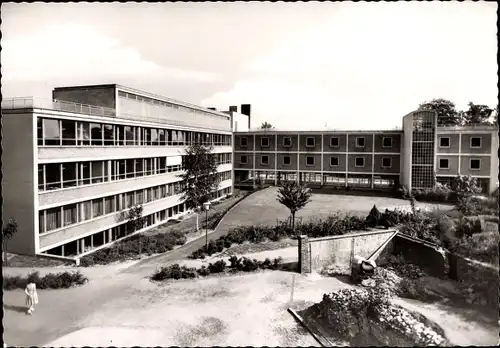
120,306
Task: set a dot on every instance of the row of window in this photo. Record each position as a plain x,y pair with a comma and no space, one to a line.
55,132
310,161
474,163
67,215
311,142
475,142
98,239
161,103
54,176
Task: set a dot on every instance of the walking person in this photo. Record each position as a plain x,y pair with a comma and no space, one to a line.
31,296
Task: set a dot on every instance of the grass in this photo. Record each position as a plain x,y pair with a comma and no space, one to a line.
15,260
247,248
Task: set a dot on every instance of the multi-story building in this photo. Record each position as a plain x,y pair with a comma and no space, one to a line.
413,156
72,166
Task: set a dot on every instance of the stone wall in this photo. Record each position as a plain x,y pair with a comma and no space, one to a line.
316,254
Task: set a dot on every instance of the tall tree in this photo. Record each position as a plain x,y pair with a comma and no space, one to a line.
478,114
293,196
200,175
266,125
8,231
135,217
445,109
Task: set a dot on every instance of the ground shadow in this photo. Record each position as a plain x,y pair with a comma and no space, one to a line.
14,308
289,267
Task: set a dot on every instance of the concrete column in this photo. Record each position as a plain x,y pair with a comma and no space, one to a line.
110,235
77,248
253,176
304,257
62,250
276,159
82,245
322,156
346,158
91,240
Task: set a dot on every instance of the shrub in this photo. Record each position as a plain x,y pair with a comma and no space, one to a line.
447,230
404,192
62,280
203,271
374,217
174,272
133,247
217,267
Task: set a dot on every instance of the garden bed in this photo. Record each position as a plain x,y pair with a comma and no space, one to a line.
242,264
368,318
49,281
15,260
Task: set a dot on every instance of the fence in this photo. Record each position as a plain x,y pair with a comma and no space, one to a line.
40,103
316,254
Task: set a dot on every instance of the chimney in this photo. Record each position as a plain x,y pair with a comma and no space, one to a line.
245,110
233,108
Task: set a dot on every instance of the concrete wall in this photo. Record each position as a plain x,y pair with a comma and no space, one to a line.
342,143
294,142
337,250
98,96
20,180
351,164
395,164
237,142
485,166
406,151
240,122
96,153
485,143
421,253
351,143
452,165
454,143
137,110
396,143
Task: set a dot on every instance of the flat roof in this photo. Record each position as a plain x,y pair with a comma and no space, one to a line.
273,131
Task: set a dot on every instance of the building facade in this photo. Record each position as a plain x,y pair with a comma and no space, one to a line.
74,165
416,156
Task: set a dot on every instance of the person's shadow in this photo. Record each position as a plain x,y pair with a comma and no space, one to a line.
19,309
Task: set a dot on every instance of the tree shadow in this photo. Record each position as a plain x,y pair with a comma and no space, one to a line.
14,308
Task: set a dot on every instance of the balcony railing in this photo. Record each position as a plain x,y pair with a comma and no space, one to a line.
40,103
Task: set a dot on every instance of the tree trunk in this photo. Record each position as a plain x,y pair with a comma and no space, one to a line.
197,222
293,221
5,253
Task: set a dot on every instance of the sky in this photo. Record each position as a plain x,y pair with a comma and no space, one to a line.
302,66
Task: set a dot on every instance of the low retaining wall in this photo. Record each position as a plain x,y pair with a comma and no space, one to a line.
336,251
427,256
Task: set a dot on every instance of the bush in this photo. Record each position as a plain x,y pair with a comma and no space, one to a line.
62,280
217,267
135,246
374,217
467,226
174,272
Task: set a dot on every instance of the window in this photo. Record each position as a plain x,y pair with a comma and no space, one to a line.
53,176
149,169
85,174
109,205
310,142
129,135
139,167
129,199
359,161
41,185
85,133
97,172
309,160
69,174
360,142
109,136
287,160
97,207
96,134
287,142
162,137
475,164
386,162
264,142
39,130
475,142
41,221
444,163
162,165
243,142
334,142
87,211
70,214
444,142
129,168
334,161
53,218
386,142
243,159
139,197
52,132
264,160
68,129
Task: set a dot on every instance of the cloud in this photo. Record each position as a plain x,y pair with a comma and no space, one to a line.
80,51
370,65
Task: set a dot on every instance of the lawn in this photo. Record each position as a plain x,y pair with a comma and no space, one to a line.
261,208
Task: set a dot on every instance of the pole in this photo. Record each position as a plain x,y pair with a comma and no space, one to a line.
206,229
